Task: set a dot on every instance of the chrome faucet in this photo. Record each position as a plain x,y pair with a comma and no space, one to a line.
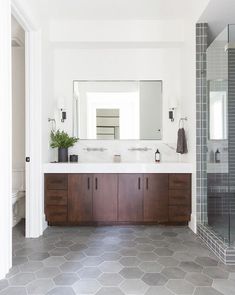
140,149
89,149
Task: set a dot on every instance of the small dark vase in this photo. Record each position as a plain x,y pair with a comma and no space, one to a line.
63,155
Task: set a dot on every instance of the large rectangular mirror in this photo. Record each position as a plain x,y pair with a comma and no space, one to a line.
117,109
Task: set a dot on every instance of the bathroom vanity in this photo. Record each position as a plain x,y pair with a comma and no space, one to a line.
79,194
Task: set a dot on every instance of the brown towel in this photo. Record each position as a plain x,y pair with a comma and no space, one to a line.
181,142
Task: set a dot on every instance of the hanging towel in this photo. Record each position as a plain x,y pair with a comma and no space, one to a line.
181,142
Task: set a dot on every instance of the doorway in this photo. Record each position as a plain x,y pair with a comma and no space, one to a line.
18,123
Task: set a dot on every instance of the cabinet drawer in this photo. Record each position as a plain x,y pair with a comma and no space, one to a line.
179,197
56,197
179,213
180,181
56,181
56,213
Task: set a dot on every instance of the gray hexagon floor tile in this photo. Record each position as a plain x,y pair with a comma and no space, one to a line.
47,272
109,291
22,279
190,266
154,279
86,286
131,273
74,256
180,287
110,266
173,273
151,266
54,261
133,287
3,284
40,286
65,279
92,261
14,291
110,279
38,256
145,247
70,266
206,291
226,287
198,279
61,291
216,273
206,261
31,266
147,256
115,260
164,252
89,272
110,256
18,260
158,290
13,271
130,261
168,261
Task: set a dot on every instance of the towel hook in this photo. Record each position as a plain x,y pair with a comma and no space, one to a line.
182,120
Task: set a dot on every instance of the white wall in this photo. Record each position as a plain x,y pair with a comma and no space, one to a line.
119,64
18,108
188,86
117,31
94,50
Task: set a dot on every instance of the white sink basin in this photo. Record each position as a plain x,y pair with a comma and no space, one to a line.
123,167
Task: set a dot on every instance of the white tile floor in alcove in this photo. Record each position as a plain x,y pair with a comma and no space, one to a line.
136,260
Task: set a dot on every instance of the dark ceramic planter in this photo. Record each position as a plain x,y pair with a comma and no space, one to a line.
63,155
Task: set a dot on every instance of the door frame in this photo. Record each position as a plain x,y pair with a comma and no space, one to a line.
33,169
35,222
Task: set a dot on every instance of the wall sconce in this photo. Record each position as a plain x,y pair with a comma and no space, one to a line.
172,114
172,102
61,107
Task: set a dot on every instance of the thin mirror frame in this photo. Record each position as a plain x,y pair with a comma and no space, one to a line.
142,80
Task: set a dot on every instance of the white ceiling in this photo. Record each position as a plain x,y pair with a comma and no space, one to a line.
115,9
218,14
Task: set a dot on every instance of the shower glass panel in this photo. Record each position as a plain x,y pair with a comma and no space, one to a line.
230,48
218,178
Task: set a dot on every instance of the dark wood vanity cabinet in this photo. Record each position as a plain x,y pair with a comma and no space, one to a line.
117,198
156,197
80,191
179,197
130,197
105,188
56,198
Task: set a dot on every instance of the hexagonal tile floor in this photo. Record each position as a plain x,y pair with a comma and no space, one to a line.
115,260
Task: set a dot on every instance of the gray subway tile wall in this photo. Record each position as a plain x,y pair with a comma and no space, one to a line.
215,191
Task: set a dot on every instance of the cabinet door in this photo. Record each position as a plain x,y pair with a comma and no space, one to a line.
156,197
130,198
105,197
80,198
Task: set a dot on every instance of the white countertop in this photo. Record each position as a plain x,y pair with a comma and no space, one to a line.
123,167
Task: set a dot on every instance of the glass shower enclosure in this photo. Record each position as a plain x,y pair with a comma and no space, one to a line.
221,136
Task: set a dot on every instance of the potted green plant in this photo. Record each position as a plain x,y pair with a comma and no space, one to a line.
62,141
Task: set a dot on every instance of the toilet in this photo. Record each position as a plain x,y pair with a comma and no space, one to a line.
18,196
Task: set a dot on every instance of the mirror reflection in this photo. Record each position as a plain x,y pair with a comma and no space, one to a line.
218,110
117,109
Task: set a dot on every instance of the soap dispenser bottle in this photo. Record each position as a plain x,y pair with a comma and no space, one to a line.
217,156
157,156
